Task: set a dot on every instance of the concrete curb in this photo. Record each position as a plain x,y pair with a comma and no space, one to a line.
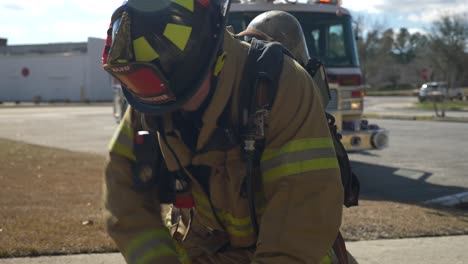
422,250
417,118
454,200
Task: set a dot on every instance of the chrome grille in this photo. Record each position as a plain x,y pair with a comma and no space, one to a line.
333,104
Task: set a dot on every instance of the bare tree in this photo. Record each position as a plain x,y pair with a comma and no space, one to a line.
406,46
448,41
397,58
369,47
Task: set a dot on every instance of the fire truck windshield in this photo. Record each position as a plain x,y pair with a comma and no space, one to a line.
329,37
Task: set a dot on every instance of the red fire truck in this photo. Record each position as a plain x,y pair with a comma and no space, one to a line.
329,35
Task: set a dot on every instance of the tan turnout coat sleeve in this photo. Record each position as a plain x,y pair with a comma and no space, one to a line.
300,175
133,217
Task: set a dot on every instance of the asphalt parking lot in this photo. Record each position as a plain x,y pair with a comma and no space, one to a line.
424,160
79,128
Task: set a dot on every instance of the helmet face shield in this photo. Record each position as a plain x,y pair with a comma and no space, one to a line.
143,80
115,26
224,4
162,51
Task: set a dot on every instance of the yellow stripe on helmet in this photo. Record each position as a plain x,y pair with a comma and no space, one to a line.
185,3
178,34
143,50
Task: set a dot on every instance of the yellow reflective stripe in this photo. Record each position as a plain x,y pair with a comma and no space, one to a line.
298,145
125,128
297,156
178,34
118,148
148,258
185,3
122,141
143,50
219,64
235,226
183,256
231,219
203,206
201,198
185,259
147,236
299,167
233,231
327,259
149,245
205,212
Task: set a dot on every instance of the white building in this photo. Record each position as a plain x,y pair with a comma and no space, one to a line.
54,72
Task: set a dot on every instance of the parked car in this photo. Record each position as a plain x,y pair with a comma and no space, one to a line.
441,90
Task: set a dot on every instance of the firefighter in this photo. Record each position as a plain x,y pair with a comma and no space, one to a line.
181,72
281,26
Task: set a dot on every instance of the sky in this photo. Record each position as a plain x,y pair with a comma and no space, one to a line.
54,21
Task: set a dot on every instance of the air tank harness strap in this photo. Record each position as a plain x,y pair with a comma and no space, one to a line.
259,83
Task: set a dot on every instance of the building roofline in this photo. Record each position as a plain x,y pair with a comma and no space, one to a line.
47,48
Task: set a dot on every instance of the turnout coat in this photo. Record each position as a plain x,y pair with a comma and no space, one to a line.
299,194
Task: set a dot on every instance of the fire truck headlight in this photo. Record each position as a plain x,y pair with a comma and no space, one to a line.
356,106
